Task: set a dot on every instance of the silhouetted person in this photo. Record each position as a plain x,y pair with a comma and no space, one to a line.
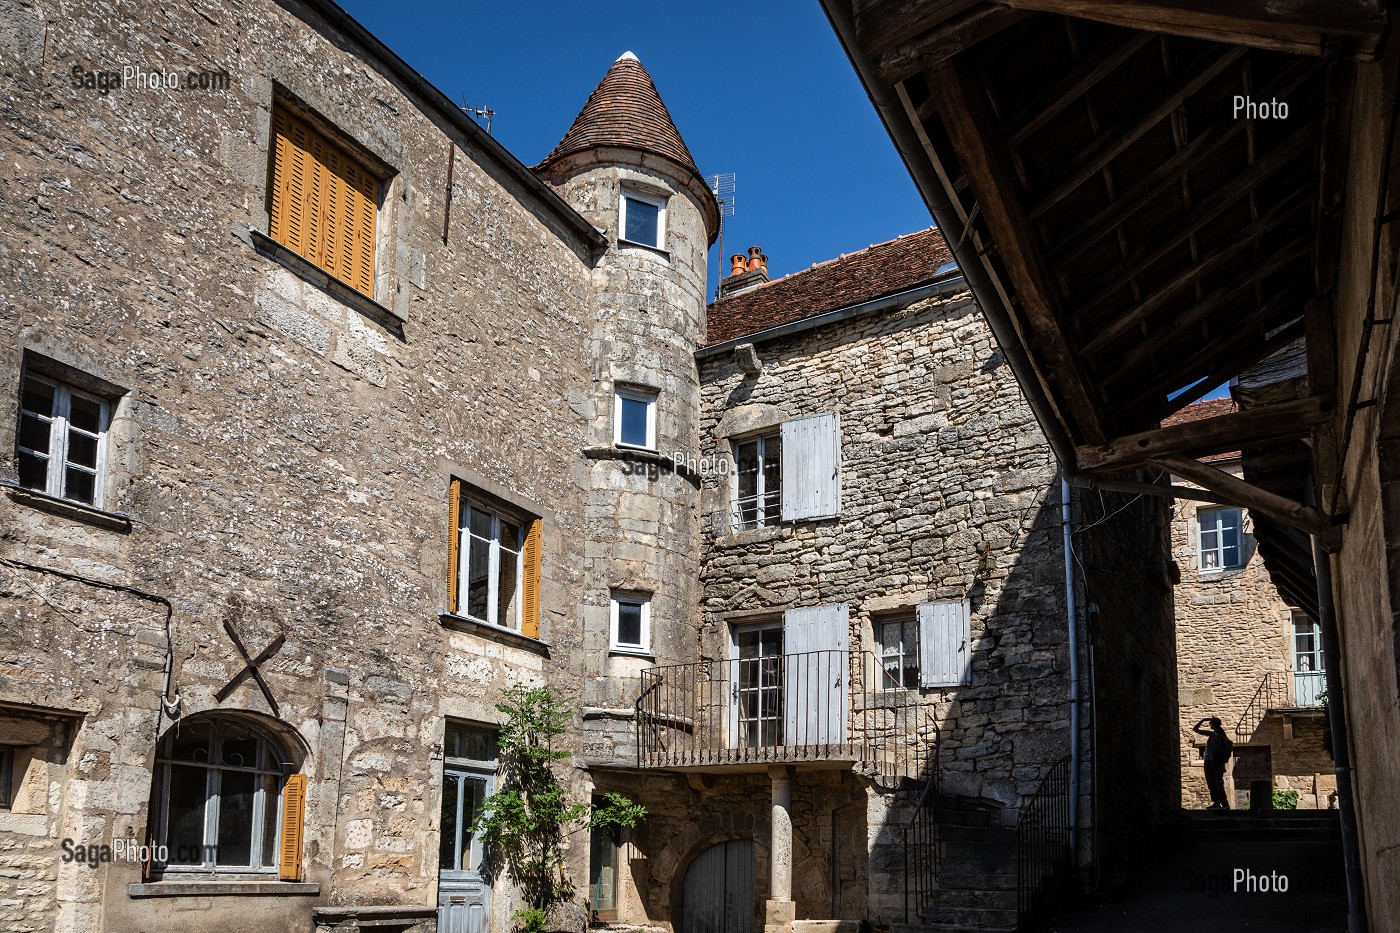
1218,750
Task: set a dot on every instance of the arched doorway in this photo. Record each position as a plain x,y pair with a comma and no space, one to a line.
718,894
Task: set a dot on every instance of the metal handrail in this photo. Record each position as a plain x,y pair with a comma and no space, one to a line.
1042,843
1268,695
922,832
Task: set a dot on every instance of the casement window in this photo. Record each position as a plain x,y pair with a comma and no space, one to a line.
899,652
494,563
643,219
1219,538
323,203
631,622
790,679
62,440
945,644
634,418
468,778
226,801
603,845
793,474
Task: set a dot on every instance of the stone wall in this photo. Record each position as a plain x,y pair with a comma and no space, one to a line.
281,450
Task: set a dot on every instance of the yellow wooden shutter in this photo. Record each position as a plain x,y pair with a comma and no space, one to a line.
322,204
530,622
454,540
293,820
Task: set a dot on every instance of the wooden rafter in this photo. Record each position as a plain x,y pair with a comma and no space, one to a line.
1071,87
1081,236
944,41
1293,514
1299,26
970,129
883,24
1165,331
1294,204
1116,139
1222,433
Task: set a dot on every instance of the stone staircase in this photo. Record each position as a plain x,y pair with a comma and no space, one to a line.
976,880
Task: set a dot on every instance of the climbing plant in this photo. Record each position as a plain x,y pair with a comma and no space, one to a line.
525,823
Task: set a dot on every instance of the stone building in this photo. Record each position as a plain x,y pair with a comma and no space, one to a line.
1243,654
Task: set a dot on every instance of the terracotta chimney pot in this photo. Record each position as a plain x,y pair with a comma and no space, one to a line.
736,263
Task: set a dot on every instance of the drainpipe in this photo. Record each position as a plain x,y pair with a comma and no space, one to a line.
1341,745
1072,620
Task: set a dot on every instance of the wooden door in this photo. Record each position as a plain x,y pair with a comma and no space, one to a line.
718,896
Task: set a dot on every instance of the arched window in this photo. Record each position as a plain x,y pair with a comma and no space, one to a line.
218,802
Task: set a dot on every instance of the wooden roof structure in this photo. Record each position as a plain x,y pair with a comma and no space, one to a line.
1135,235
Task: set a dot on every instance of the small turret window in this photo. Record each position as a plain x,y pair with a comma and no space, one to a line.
643,220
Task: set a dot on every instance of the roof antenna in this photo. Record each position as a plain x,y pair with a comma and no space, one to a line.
722,187
479,113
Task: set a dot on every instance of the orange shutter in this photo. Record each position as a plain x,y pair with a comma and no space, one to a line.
454,540
293,811
530,622
322,204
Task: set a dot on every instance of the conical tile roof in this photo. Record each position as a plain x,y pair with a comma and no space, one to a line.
624,110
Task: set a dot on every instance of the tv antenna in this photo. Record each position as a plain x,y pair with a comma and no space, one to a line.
480,113
722,187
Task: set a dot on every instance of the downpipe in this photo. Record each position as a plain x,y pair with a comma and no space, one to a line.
1072,621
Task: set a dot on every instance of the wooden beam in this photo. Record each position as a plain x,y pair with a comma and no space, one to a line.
1293,514
1210,435
1165,176
941,43
969,127
1165,330
1111,143
1072,87
1299,26
1150,304
886,23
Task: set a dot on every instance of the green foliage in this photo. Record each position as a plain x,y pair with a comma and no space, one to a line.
525,823
1285,800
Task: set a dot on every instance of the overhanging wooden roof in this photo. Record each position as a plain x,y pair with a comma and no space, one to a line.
1140,237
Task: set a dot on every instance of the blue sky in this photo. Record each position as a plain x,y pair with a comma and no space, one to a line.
762,90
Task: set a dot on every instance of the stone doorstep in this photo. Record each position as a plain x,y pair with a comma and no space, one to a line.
387,916
826,926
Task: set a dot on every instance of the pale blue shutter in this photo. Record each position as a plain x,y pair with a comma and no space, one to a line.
815,675
812,467
944,643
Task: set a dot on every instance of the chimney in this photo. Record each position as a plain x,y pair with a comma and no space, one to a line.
745,272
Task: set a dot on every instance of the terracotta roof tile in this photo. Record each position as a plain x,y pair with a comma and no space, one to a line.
624,110
879,270
1199,411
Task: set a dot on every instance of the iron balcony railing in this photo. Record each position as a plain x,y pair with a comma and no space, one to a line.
1308,691
1043,854
811,706
921,835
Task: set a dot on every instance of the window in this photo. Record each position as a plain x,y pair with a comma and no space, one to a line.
603,845
1219,538
322,202
7,766
494,563
758,477
643,220
62,440
631,622
225,801
634,418
468,778
758,685
899,653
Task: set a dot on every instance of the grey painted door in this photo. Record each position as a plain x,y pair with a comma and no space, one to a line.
464,897
718,896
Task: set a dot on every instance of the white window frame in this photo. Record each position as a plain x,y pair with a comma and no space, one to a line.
59,426
761,494
493,572
901,655
642,600
1219,549
658,203
647,398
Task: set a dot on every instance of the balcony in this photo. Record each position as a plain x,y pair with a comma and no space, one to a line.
822,709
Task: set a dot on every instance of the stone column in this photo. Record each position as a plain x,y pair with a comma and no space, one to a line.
780,908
